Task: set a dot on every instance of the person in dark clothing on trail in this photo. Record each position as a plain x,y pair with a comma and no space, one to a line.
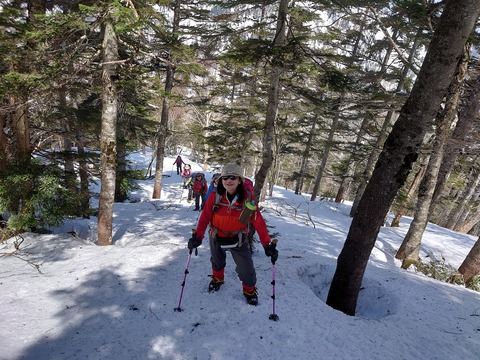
179,161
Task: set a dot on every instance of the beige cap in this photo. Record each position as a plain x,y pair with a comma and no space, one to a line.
233,169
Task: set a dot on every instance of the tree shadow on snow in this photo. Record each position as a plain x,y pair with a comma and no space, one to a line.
114,315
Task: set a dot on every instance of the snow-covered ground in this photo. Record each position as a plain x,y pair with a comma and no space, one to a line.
117,302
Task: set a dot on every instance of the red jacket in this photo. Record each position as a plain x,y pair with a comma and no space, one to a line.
225,219
200,187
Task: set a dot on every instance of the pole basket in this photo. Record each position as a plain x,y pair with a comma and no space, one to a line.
274,317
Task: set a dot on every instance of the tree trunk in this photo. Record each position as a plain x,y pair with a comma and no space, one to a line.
466,117
306,153
445,119
471,188
444,217
69,168
108,146
471,265
83,174
21,129
335,121
403,209
121,191
36,7
21,118
401,149
469,223
3,139
326,151
371,161
163,130
352,162
389,119
272,105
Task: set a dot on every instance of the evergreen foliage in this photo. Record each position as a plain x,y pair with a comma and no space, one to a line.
34,196
343,59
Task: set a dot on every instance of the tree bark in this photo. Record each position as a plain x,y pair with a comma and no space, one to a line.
389,119
445,119
404,208
108,140
466,117
3,140
306,153
326,151
352,162
401,149
471,188
121,191
163,130
471,265
469,223
371,161
69,166
272,104
83,174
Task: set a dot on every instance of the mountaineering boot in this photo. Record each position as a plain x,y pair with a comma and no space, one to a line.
215,284
217,280
251,296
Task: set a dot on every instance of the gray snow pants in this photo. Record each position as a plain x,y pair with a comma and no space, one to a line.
242,257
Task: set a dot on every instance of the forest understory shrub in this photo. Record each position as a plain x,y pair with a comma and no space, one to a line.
6,233
440,270
34,196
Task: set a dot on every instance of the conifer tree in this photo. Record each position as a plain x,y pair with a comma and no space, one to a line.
401,150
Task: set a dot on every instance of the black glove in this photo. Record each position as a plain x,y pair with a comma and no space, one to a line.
271,251
194,242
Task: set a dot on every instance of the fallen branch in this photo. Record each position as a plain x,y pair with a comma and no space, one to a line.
165,206
20,254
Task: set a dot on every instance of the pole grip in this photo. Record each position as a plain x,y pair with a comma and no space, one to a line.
194,233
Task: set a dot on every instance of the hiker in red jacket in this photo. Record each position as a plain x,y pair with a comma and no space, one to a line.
199,189
228,231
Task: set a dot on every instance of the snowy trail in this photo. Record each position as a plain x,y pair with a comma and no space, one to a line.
118,302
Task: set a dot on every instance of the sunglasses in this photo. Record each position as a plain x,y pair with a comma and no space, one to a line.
231,177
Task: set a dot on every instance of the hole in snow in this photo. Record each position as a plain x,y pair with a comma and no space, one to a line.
374,300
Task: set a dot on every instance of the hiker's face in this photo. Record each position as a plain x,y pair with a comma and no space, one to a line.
231,184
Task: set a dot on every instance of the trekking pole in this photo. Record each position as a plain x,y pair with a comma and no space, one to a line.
273,316
178,308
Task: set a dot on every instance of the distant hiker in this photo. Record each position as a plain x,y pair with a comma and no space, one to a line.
213,184
186,174
199,188
189,186
179,161
228,230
